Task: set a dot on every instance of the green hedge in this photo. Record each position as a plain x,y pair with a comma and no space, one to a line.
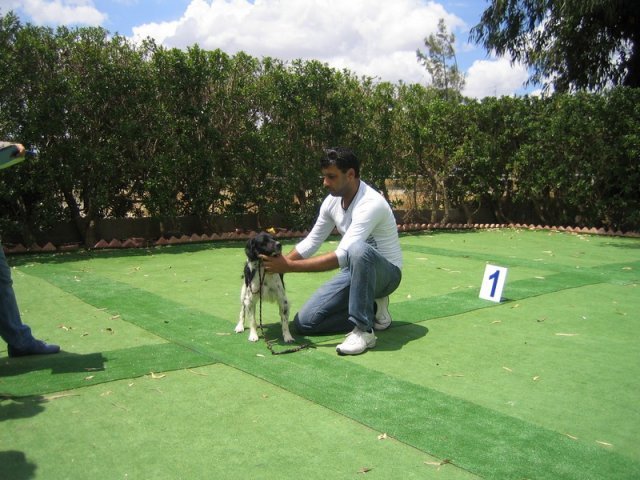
127,130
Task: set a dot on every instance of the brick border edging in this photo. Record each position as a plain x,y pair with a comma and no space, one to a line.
138,242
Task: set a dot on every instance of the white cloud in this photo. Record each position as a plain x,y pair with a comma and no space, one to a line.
494,78
8,5
62,12
377,38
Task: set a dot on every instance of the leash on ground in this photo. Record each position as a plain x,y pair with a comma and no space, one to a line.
262,274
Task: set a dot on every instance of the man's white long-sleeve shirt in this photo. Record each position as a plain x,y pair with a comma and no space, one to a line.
369,218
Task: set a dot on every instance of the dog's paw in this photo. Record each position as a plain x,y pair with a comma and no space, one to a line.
239,328
288,338
253,337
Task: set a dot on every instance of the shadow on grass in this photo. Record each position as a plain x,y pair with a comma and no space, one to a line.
273,334
395,338
12,408
435,233
628,245
399,335
63,362
14,465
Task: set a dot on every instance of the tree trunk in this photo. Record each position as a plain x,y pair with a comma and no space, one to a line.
76,216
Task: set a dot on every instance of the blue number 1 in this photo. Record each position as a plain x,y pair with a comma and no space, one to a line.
494,276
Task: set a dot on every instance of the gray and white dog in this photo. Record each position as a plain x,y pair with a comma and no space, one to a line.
262,286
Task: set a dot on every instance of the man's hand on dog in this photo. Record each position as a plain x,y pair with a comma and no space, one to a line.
21,150
275,264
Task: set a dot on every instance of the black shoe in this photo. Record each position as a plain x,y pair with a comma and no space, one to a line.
37,348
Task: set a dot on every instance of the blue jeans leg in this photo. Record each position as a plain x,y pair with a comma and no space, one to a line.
327,310
372,276
348,298
12,330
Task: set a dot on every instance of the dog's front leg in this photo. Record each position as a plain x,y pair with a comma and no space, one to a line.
283,303
248,312
253,331
243,308
240,325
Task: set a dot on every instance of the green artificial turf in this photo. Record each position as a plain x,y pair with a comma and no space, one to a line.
210,422
541,385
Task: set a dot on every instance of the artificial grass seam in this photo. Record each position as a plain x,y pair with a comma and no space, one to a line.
90,293
613,269
41,375
396,400
459,302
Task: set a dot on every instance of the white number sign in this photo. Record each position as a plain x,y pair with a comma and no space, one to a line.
493,283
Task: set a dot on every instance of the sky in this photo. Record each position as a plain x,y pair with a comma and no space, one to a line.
374,38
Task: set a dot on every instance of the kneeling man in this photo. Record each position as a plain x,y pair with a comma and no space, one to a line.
369,257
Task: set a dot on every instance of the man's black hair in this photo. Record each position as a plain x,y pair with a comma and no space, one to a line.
341,157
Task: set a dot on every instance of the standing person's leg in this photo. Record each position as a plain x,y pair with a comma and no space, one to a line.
18,336
12,330
327,310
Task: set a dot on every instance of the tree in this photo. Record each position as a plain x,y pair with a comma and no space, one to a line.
30,96
570,44
505,125
430,132
374,138
440,51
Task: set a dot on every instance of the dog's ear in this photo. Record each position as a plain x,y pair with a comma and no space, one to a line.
248,274
250,250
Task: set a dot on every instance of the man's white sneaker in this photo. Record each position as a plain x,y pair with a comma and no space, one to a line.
383,318
357,342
